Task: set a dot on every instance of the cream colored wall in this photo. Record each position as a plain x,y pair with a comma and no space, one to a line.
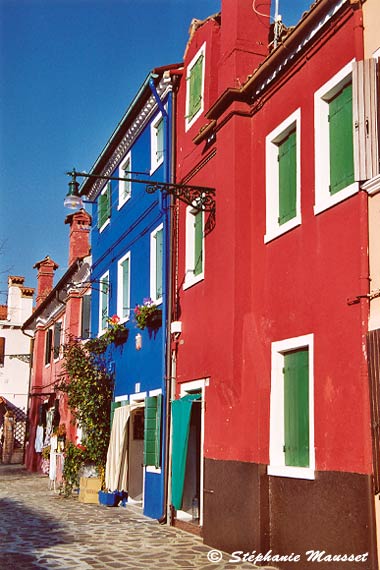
371,20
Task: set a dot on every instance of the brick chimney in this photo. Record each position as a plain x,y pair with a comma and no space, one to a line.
245,33
80,223
45,278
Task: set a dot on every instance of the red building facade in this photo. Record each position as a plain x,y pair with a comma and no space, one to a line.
273,300
62,311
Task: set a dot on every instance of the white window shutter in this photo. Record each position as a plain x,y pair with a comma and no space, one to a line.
365,89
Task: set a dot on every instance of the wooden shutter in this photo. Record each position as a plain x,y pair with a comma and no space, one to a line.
152,431
104,302
2,350
160,139
198,243
86,315
104,206
125,300
159,263
195,95
287,175
296,408
341,140
57,338
48,344
365,84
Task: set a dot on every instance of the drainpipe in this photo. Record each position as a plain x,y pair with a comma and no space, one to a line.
166,209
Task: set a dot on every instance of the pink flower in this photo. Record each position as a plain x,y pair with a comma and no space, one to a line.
115,319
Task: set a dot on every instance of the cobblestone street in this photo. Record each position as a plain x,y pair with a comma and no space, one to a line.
42,530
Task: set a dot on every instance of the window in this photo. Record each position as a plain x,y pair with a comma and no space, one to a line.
157,144
292,408
103,302
152,431
194,247
48,345
334,155
283,176
195,87
2,350
57,339
86,317
104,207
123,287
156,263
125,187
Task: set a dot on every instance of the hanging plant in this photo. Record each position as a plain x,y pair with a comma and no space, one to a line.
148,315
89,388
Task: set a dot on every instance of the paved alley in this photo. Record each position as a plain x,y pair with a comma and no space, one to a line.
42,530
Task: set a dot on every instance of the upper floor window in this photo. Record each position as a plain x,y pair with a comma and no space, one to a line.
124,287
334,147
104,302
48,345
104,207
157,142
86,316
283,175
195,87
57,339
125,186
156,263
2,350
194,246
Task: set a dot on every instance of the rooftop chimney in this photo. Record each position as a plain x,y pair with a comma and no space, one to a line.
244,39
80,223
45,277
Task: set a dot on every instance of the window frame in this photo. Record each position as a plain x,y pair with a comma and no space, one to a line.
105,278
322,98
153,264
120,288
107,188
272,173
277,465
48,345
155,160
190,264
85,311
57,335
125,188
189,121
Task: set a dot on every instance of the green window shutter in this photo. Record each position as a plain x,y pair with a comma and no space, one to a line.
104,206
126,185
125,271
198,243
152,431
296,408
48,343
86,314
104,294
341,140
160,138
287,174
195,86
159,263
57,338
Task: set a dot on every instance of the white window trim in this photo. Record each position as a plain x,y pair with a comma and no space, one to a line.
153,261
273,228
122,183
151,468
156,161
108,220
190,278
120,287
189,122
323,198
277,465
105,275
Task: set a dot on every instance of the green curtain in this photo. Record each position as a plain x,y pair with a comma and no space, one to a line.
181,413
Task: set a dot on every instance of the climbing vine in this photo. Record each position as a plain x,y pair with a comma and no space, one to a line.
89,388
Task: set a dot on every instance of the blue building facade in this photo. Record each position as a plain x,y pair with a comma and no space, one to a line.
130,253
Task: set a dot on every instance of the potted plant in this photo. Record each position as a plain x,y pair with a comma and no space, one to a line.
116,333
148,315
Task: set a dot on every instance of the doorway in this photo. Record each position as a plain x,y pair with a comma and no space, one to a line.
136,456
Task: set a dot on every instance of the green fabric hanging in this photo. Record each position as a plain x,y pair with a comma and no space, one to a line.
181,413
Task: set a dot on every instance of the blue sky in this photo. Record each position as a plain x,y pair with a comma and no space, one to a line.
69,69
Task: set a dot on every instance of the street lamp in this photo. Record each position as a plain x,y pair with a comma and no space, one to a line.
72,199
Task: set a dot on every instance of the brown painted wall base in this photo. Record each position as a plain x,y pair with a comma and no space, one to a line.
246,510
